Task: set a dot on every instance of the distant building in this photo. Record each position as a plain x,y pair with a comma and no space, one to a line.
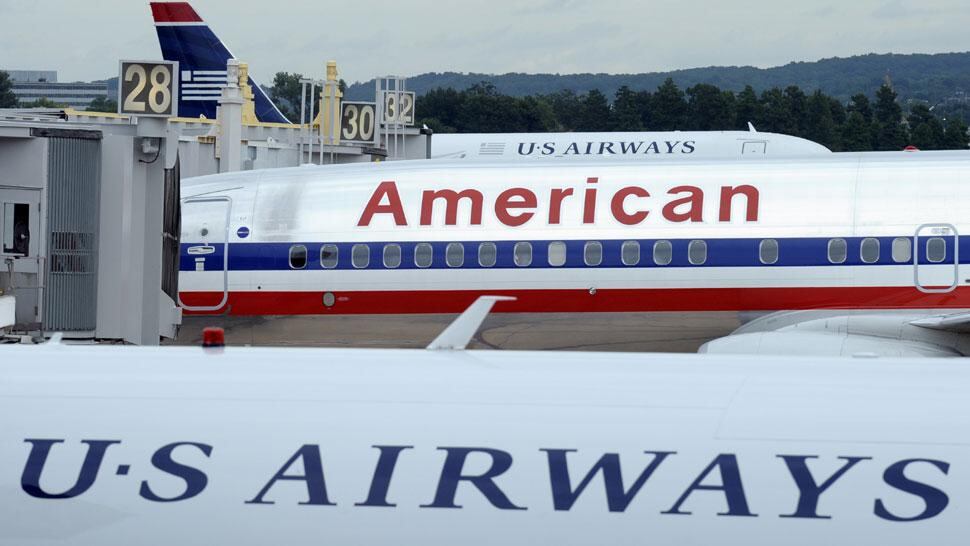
31,85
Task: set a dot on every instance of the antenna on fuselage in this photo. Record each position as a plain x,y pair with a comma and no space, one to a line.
459,333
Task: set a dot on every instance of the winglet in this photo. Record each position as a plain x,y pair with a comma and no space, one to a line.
459,333
56,339
951,323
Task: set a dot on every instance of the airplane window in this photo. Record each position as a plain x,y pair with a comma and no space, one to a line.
392,256
663,253
487,254
297,257
522,254
630,253
593,253
557,254
423,254
360,256
769,251
838,251
697,252
328,256
902,250
455,254
936,250
870,250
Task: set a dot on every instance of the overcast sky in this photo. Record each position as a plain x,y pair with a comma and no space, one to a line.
84,40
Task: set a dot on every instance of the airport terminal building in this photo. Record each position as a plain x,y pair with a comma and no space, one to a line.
32,85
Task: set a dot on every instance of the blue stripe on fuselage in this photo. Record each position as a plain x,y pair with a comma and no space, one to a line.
793,252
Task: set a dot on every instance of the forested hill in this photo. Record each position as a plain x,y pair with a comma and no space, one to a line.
924,77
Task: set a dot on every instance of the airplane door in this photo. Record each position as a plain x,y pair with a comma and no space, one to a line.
754,147
205,242
937,258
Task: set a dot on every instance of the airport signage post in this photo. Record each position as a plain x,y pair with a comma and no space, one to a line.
148,88
358,122
399,107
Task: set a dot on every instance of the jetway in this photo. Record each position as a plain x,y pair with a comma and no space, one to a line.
86,210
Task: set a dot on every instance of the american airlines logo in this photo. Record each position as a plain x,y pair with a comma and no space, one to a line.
515,207
641,147
203,85
906,490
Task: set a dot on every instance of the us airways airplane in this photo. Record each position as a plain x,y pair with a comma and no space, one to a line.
368,446
186,38
123,445
640,145
202,57
621,255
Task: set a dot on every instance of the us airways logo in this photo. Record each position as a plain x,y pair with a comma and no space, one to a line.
552,476
203,85
641,147
515,207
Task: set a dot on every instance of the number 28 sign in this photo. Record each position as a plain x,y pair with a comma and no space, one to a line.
148,88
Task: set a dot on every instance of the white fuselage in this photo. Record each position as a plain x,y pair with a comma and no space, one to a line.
642,146
119,446
870,231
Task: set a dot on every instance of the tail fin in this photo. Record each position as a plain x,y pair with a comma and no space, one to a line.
202,57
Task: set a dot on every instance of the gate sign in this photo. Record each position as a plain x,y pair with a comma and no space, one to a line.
148,88
399,107
358,122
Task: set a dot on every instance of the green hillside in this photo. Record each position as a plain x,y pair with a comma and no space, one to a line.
931,78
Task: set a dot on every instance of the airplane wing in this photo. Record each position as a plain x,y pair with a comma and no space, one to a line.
959,322
844,333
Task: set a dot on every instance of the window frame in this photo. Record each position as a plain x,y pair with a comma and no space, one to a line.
400,255
494,248
862,250
587,247
845,250
630,244
336,256
697,243
353,255
448,249
549,253
909,250
306,257
515,253
417,249
669,246
946,250
761,251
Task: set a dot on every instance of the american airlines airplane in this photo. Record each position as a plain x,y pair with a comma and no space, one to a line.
125,445
862,252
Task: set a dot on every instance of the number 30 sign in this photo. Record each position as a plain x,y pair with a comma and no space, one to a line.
148,88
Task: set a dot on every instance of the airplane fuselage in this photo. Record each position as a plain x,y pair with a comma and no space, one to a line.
593,239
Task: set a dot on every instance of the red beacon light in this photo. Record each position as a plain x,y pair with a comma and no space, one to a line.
911,148
213,338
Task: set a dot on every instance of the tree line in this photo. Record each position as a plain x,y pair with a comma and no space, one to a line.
863,124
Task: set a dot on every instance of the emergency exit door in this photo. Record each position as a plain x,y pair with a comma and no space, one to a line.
937,258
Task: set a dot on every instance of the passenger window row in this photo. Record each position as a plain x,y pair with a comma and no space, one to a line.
630,253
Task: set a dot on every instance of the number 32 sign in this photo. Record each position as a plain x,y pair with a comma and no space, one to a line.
148,88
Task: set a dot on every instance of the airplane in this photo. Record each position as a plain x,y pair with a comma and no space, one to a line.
621,145
202,57
186,38
116,445
824,255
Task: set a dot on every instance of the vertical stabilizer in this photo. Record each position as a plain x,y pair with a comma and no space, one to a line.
186,38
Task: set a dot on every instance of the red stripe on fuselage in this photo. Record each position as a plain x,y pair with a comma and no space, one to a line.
174,12
581,301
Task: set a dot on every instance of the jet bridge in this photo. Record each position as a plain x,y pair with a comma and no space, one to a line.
88,229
